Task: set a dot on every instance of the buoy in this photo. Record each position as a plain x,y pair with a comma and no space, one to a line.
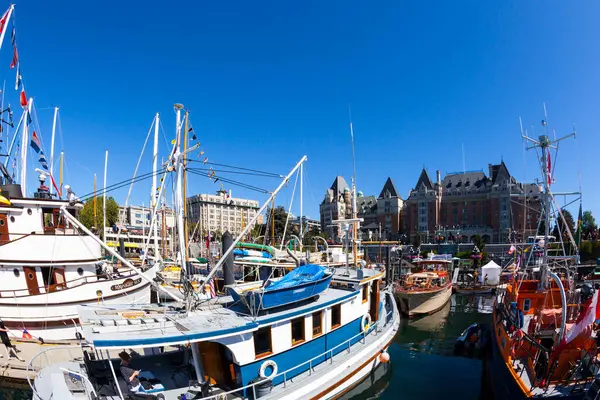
384,357
262,372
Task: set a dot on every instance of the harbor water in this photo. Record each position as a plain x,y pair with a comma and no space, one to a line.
423,364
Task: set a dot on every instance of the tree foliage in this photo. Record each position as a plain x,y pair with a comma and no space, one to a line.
588,223
561,228
86,216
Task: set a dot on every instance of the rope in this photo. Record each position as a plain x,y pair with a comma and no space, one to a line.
287,219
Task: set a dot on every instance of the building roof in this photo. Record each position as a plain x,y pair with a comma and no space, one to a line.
424,180
365,204
372,225
339,185
499,173
464,180
388,187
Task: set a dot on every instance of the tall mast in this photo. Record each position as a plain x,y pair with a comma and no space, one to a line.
60,178
301,231
52,148
354,210
153,195
95,204
185,217
178,159
24,147
103,191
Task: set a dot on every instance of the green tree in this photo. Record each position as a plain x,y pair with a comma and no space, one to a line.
479,242
560,226
588,223
86,216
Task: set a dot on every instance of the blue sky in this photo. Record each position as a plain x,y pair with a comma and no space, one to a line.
267,82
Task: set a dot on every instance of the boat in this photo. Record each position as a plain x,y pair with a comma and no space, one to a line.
473,341
543,342
300,284
320,347
425,290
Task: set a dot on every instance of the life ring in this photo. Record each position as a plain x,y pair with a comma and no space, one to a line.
365,323
263,369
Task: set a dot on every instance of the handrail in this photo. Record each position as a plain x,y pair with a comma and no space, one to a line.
30,368
110,277
372,328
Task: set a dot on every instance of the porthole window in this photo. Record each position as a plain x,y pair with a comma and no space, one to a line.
12,218
29,212
30,275
16,272
80,271
1,222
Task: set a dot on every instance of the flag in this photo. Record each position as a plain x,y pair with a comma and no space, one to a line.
585,320
13,36
194,137
15,59
579,227
512,249
549,168
18,78
43,161
28,118
205,160
26,334
23,98
173,141
35,142
4,23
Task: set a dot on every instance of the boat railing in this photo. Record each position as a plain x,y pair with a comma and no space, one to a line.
43,359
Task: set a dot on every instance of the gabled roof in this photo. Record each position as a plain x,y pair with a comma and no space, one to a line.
464,180
499,173
424,179
339,184
388,187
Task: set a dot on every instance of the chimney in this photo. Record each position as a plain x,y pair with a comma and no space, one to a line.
439,177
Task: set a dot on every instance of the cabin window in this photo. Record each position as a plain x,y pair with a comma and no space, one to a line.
16,272
365,293
297,331
12,219
526,305
262,342
336,316
80,271
317,323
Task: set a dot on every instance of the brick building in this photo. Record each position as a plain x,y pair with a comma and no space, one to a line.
471,203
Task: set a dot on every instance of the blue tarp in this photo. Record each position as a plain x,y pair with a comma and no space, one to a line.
298,276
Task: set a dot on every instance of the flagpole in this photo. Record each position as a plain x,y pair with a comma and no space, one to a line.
60,183
14,138
95,204
52,145
103,196
24,145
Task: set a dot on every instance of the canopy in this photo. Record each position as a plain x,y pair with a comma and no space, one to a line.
492,270
303,274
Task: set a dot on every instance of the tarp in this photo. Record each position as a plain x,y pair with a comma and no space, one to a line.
492,270
303,274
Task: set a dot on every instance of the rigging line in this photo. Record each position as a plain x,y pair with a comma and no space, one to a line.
139,161
120,185
230,172
233,182
240,168
287,219
162,129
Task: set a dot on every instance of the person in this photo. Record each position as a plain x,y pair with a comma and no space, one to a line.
11,348
130,374
485,279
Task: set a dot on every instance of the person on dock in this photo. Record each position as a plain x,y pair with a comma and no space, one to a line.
485,280
11,349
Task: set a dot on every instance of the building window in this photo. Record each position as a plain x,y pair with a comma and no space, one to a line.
365,293
526,305
297,331
336,316
262,342
317,323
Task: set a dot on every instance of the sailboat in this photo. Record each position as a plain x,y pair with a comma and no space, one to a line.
317,347
543,341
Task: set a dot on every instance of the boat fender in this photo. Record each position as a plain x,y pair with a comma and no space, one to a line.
384,357
365,323
263,369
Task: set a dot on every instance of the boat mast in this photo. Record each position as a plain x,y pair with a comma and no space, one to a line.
95,204
185,218
355,223
24,147
301,230
178,161
103,191
52,148
153,195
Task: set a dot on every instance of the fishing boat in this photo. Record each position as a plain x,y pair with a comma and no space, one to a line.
544,343
320,347
426,289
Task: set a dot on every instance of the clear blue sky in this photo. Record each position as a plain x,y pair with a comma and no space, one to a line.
267,82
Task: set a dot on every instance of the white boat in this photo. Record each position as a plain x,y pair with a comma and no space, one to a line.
47,269
319,349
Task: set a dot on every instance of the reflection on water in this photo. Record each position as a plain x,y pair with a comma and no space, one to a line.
422,355
423,365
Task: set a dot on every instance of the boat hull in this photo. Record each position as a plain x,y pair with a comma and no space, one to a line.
472,291
415,303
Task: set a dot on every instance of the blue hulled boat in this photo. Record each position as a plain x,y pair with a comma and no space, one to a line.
300,284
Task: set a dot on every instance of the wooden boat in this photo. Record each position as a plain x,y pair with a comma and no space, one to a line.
426,291
472,290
